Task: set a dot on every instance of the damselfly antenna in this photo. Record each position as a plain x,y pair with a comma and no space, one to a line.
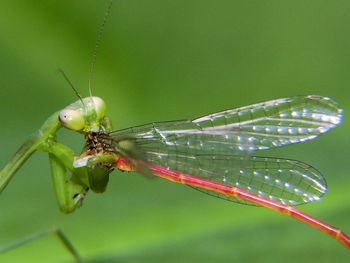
70,84
98,43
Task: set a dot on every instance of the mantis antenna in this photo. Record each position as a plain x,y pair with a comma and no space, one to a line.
98,43
70,84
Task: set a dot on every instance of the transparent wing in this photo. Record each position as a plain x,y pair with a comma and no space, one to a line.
289,182
256,127
217,147
274,123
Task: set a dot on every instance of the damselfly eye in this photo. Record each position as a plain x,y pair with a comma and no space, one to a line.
71,119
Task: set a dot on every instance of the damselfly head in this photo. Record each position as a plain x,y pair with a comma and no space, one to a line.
83,115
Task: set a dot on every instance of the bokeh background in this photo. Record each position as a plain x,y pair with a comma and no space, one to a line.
164,60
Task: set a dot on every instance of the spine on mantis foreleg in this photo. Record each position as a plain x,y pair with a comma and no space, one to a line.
48,130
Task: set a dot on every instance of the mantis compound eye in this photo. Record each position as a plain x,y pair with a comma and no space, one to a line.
100,107
72,119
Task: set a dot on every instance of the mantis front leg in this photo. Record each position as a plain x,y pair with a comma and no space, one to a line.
71,191
91,173
70,184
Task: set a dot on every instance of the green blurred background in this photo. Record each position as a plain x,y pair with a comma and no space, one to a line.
164,60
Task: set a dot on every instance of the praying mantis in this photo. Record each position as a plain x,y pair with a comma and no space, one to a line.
190,152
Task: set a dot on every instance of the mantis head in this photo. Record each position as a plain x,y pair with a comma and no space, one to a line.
84,115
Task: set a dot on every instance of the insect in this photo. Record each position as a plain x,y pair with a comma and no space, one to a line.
214,154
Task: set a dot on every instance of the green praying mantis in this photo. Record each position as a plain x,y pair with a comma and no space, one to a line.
211,153
86,116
